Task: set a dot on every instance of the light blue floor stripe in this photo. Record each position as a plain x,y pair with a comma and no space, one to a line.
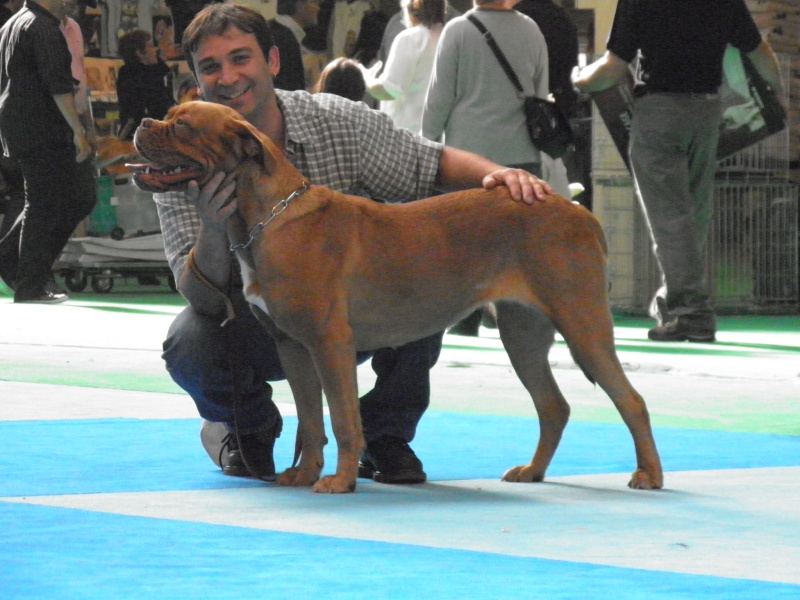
60,553
125,455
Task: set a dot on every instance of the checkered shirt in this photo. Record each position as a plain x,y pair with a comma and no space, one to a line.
335,143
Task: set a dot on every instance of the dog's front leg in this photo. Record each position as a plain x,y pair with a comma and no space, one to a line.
307,391
336,366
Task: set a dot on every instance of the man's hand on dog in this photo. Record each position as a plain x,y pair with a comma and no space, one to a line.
523,186
213,203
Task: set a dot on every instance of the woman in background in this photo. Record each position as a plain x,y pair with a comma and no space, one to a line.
402,85
342,76
143,86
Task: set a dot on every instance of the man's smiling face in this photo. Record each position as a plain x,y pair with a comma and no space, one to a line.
232,70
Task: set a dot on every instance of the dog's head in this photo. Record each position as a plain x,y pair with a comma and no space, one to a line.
194,141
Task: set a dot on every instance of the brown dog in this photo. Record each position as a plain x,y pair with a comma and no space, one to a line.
331,274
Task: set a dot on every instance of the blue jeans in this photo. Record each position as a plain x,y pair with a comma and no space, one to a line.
198,357
673,157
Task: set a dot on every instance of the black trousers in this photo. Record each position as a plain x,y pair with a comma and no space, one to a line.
9,244
59,194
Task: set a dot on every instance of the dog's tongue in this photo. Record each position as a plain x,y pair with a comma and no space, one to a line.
152,178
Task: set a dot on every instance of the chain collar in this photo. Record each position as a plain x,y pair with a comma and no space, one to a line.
276,210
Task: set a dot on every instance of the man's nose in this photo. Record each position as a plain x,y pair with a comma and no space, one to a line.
227,74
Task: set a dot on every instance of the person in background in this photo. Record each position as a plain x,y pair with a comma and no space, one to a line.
12,198
8,8
561,36
404,80
144,88
298,16
183,11
471,104
85,171
674,136
293,73
396,24
334,142
41,128
343,77
345,25
74,36
368,42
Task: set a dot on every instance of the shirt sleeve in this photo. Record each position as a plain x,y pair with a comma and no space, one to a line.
399,69
180,225
623,40
397,165
745,36
53,60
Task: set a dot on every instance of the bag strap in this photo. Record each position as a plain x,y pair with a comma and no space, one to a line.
497,52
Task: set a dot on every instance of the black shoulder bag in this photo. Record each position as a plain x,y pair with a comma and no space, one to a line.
549,129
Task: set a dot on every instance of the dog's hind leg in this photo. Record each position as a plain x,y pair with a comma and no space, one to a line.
589,333
527,336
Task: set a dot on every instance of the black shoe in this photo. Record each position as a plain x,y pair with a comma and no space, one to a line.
682,329
46,297
257,449
389,459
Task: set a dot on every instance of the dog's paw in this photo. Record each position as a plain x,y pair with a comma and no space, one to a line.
643,480
335,485
523,474
296,477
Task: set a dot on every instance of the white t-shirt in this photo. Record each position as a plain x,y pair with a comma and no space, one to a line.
407,74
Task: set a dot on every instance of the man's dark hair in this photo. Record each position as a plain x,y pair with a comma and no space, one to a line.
131,43
216,19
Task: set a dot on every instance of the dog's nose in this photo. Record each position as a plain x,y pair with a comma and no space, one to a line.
146,123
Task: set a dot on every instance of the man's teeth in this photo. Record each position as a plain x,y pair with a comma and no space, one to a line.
234,95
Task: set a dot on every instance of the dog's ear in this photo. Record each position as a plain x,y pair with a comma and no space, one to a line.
255,145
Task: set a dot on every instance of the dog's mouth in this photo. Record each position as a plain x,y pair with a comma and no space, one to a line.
155,178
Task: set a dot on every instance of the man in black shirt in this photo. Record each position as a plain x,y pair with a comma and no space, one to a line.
40,127
674,135
13,188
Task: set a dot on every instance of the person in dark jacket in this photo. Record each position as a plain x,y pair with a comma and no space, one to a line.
143,84
41,128
561,36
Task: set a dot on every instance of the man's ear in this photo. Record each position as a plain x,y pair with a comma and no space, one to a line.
274,61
